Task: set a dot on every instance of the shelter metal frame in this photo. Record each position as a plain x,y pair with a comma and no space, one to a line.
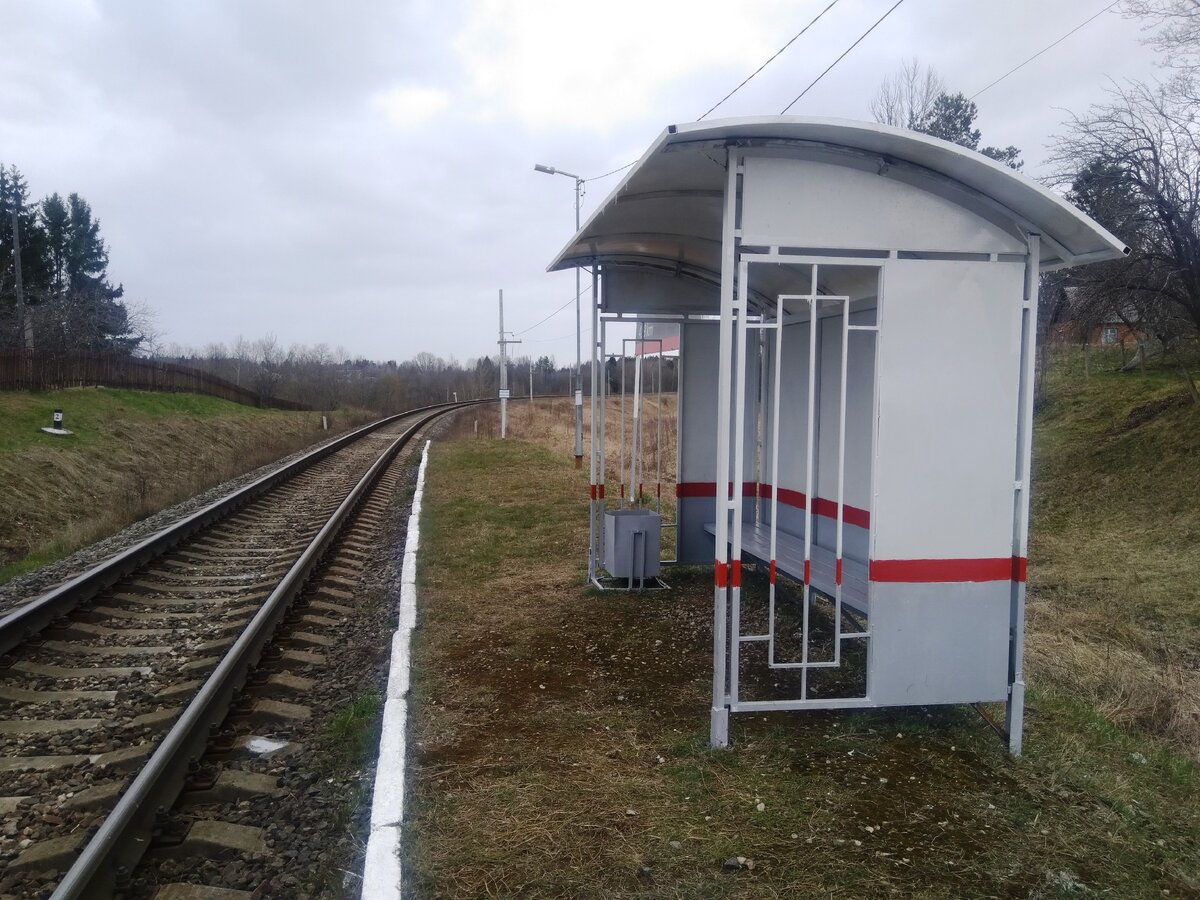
675,216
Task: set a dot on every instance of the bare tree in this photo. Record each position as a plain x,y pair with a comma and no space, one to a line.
1133,162
143,323
1172,27
907,97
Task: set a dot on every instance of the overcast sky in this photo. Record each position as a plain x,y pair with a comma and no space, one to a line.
361,173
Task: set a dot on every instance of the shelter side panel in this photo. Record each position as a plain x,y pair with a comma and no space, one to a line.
806,203
698,484
949,357
939,643
645,291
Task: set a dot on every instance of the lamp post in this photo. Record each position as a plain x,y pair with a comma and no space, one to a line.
550,170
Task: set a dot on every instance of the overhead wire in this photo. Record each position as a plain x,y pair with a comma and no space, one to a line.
747,79
845,53
552,315
562,337
1044,49
613,172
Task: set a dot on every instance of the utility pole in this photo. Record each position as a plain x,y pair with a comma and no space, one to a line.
531,382
503,371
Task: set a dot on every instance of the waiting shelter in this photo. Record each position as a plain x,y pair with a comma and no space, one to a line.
857,308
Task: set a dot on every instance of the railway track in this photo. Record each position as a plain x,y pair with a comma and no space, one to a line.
112,686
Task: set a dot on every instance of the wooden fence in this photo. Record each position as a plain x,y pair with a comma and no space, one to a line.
35,371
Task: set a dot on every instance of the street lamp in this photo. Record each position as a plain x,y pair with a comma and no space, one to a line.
550,170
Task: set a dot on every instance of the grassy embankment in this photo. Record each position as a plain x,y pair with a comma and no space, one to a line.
132,453
1115,548
560,736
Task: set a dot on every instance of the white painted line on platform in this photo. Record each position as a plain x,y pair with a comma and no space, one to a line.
381,868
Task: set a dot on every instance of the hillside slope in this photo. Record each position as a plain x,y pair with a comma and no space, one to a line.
1114,610
132,452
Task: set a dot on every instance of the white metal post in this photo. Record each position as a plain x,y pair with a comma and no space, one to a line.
776,390
621,458
578,344
602,447
635,438
594,523
658,436
739,465
719,718
809,478
1015,708
841,485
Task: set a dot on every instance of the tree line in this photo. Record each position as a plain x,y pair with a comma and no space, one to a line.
330,378
55,293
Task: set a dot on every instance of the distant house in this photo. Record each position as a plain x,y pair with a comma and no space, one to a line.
1112,332
1106,334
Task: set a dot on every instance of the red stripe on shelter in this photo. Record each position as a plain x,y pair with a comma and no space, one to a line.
851,515
931,571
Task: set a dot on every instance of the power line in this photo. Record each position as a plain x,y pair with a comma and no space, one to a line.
613,172
771,60
552,315
561,337
1044,49
740,86
843,56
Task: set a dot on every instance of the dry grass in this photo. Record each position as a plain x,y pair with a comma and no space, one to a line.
560,748
1114,611
550,423
132,453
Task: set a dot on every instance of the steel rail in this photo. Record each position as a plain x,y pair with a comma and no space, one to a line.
43,610
121,840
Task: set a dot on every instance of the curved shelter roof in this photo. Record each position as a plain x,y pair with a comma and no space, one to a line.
667,210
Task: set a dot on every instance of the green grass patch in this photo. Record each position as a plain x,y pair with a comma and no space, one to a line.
351,736
130,454
93,413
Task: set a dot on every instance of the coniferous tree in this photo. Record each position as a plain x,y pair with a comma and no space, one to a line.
14,196
85,312
952,118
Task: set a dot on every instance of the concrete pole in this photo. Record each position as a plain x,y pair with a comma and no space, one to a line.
503,373
578,344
